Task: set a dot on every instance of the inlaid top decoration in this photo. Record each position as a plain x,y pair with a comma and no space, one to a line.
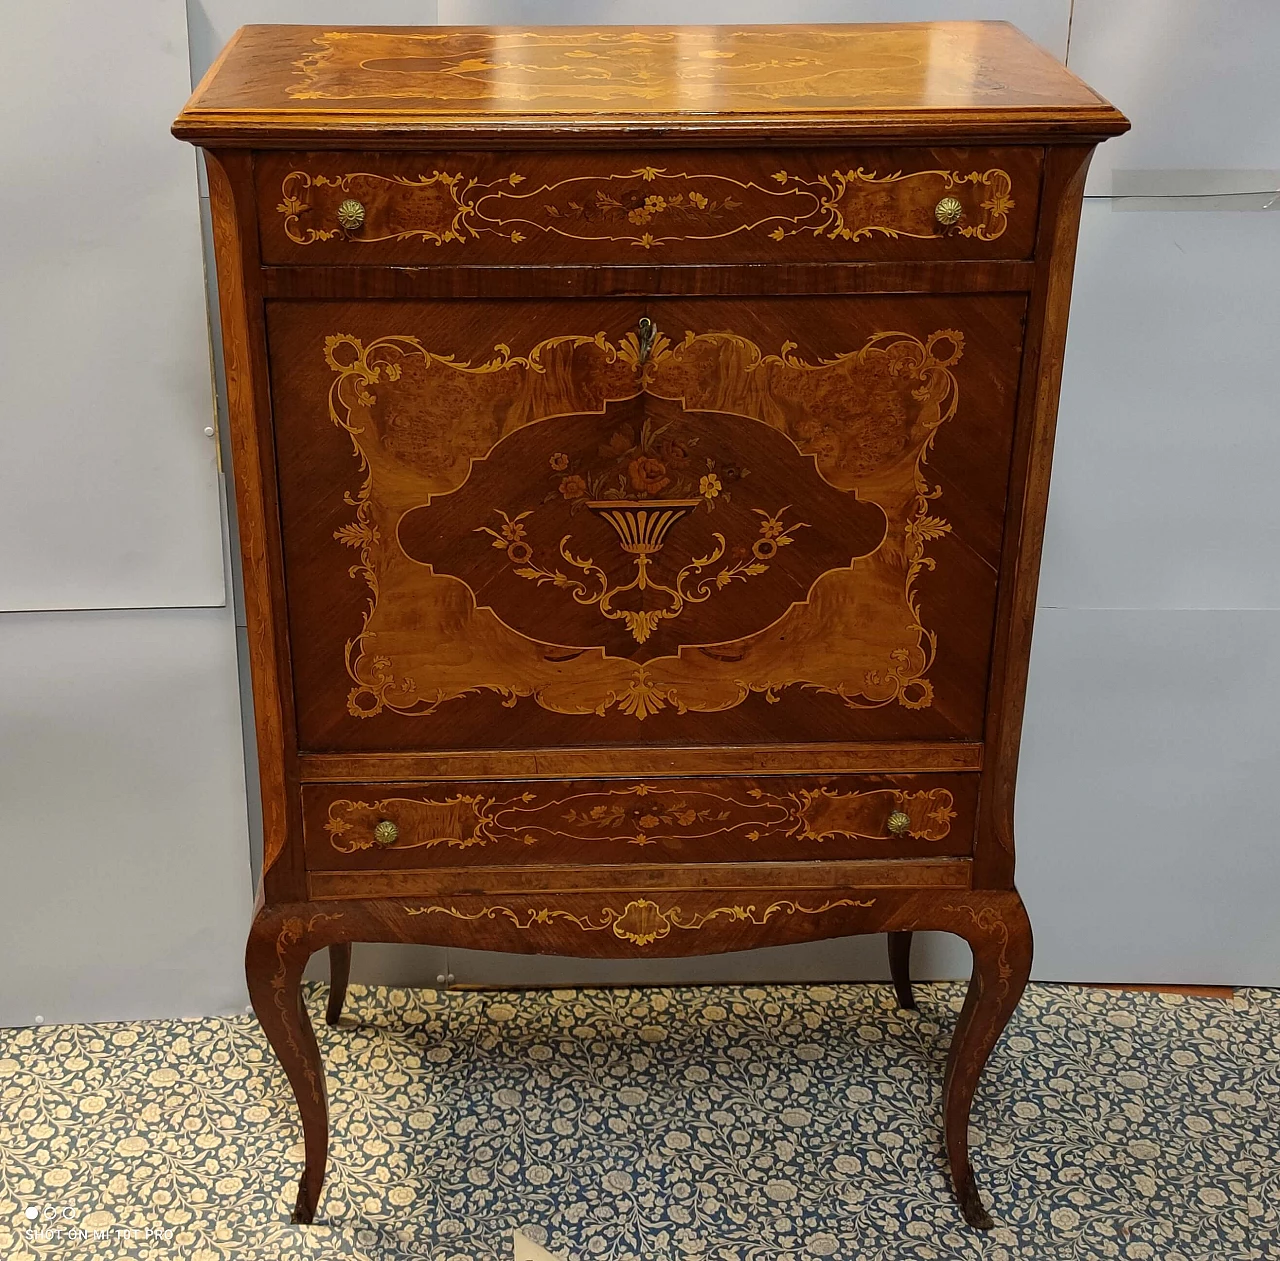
641,525
934,77
795,67
551,65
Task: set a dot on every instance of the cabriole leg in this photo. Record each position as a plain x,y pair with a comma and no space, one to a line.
999,934
275,956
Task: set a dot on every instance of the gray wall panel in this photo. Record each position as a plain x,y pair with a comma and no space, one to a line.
108,482
123,835
1198,79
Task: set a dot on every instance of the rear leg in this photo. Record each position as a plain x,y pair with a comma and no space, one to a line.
900,969
339,974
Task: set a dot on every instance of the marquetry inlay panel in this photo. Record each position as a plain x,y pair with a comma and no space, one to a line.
851,204
641,921
644,821
602,527
708,427
649,206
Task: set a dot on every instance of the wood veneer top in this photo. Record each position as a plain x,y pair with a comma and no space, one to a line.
284,84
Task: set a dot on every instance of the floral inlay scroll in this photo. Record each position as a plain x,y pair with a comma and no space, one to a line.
637,815
641,921
646,207
642,485
858,203
426,207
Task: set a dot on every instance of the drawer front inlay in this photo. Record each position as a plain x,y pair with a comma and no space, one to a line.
693,207
640,821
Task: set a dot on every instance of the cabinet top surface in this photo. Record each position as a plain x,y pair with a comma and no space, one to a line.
281,84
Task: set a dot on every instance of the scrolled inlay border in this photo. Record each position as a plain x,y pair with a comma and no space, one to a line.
778,389
637,815
646,207
641,921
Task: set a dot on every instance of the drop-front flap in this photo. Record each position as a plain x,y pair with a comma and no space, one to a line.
661,523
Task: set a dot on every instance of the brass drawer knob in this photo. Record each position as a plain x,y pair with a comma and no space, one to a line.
899,823
948,211
386,832
351,215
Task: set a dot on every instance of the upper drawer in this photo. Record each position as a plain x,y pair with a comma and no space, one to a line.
737,206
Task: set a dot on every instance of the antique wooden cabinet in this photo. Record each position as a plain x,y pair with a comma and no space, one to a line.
641,443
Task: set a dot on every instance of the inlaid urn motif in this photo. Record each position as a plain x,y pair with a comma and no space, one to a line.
648,528
642,525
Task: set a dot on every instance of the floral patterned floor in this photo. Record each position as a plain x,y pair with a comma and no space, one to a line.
779,1123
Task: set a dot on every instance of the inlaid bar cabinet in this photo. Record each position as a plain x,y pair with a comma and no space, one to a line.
641,443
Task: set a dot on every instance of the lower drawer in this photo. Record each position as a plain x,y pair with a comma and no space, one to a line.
551,822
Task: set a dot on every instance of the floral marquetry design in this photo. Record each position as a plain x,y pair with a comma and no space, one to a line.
641,529
646,207
648,524
534,816
635,483
858,203
425,208
660,460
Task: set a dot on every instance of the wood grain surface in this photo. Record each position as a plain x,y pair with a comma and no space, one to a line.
381,87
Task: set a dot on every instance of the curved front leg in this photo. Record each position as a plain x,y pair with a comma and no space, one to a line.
999,934
278,949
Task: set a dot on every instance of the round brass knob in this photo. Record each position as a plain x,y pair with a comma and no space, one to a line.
351,215
386,832
948,211
899,823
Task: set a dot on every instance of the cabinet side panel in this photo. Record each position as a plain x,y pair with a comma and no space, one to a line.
244,355
1061,198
